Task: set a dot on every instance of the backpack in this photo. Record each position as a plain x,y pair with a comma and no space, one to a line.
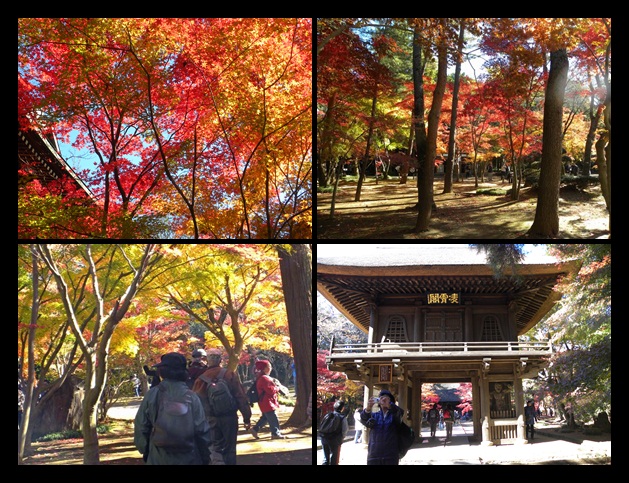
447,415
433,414
252,394
331,425
173,429
405,438
220,401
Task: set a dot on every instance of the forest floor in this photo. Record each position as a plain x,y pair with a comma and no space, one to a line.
116,446
386,211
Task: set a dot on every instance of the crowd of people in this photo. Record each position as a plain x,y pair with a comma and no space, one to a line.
383,417
190,416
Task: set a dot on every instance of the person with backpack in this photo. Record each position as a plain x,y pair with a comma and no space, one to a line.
383,428
198,365
222,396
332,431
267,400
448,417
530,418
433,419
170,425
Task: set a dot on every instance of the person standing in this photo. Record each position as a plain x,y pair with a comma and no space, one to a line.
20,405
198,365
358,427
448,417
331,444
529,418
433,419
223,428
135,380
173,373
267,400
383,446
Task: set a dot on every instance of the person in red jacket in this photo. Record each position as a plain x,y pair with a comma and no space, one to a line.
267,400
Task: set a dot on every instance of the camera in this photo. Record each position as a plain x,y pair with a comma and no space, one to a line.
376,400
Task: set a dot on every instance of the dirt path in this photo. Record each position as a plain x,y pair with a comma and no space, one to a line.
386,212
116,447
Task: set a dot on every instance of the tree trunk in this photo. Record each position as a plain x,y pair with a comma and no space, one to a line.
367,149
447,179
296,269
324,168
418,104
601,162
427,168
546,223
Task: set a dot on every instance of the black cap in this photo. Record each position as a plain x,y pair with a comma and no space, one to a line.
174,360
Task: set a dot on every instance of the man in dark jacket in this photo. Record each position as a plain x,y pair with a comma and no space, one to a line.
224,429
198,365
383,425
173,372
332,444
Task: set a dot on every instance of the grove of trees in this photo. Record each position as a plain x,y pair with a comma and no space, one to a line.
89,316
187,127
542,98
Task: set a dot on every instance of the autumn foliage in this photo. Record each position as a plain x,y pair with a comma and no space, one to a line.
193,128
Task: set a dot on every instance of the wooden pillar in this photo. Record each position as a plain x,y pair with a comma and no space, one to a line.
373,323
416,412
512,311
468,325
485,414
477,398
519,405
416,327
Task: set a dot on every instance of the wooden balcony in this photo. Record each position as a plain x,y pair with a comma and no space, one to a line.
432,350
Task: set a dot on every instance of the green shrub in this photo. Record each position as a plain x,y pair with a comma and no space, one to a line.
491,191
72,434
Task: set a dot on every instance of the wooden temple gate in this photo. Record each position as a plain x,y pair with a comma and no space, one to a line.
441,316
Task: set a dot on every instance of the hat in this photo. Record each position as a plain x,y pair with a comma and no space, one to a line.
199,353
262,364
214,354
172,359
386,392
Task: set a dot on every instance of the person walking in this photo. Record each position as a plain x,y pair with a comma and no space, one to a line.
135,380
198,365
433,419
358,427
529,418
20,405
383,448
223,427
331,443
267,402
448,417
186,409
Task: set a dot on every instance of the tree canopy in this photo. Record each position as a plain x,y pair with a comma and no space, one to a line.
191,127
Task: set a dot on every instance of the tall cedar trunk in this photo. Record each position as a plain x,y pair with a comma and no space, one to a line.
427,168
324,167
296,269
447,180
546,223
365,160
607,116
418,105
24,439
